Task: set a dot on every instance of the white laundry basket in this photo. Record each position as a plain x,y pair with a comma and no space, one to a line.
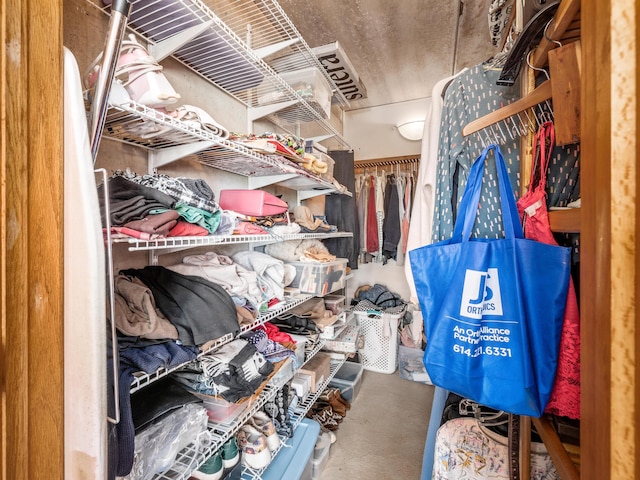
380,331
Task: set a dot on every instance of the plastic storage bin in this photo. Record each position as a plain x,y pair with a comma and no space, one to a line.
411,365
320,456
294,461
311,85
219,410
380,332
334,303
319,279
348,379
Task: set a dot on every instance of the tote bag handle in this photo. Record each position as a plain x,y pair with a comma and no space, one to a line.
543,143
468,209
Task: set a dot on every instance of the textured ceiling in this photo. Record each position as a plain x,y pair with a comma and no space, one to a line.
399,48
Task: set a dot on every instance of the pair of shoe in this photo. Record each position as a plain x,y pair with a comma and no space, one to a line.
258,439
213,468
333,397
325,416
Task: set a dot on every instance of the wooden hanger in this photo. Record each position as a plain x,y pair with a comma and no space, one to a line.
563,85
539,95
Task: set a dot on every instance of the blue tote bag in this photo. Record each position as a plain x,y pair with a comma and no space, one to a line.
492,308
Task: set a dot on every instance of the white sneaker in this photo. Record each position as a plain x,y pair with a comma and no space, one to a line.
255,451
264,425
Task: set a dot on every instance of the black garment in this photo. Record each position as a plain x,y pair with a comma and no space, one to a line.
121,436
152,403
391,227
199,309
341,211
130,201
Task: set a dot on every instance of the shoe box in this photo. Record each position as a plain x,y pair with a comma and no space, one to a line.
348,379
301,384
319,368
346,341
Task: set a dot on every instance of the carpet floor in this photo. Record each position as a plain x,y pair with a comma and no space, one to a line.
383,435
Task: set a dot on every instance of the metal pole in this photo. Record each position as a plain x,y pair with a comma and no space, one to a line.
119,14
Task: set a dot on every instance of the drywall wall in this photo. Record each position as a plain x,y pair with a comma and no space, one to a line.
372,132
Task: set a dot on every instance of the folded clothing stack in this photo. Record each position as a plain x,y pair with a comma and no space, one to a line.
234,371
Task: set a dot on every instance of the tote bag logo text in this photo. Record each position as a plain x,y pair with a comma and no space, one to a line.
481,294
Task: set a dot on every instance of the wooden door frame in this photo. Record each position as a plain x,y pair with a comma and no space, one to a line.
31,229
609,335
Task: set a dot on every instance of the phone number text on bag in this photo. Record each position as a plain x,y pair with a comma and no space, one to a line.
476,352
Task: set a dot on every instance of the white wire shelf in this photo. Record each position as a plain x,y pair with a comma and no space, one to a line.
198,38
142,379
194,455
299,413
178,243
171,139
267,25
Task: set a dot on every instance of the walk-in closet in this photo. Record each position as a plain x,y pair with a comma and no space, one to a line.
231,236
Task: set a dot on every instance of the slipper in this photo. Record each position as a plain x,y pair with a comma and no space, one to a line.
314,164
259,145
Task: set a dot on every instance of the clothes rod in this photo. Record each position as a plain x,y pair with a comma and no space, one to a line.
383,162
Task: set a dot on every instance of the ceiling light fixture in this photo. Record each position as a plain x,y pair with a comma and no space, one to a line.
411,130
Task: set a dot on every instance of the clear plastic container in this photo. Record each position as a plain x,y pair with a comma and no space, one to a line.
334,303
319,279
311,85
348,379
221,411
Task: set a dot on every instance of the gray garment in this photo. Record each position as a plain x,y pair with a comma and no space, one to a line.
236,280
271,271
130,201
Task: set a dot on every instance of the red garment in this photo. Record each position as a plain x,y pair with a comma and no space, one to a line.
275,334
130,232
565,396
186,229
373,245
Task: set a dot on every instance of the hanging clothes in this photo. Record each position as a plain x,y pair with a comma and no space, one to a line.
363,201
471,95
402,185
391,225
406,217
373,245
424,196
341,211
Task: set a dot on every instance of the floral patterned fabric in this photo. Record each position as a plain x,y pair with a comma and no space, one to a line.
465,450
